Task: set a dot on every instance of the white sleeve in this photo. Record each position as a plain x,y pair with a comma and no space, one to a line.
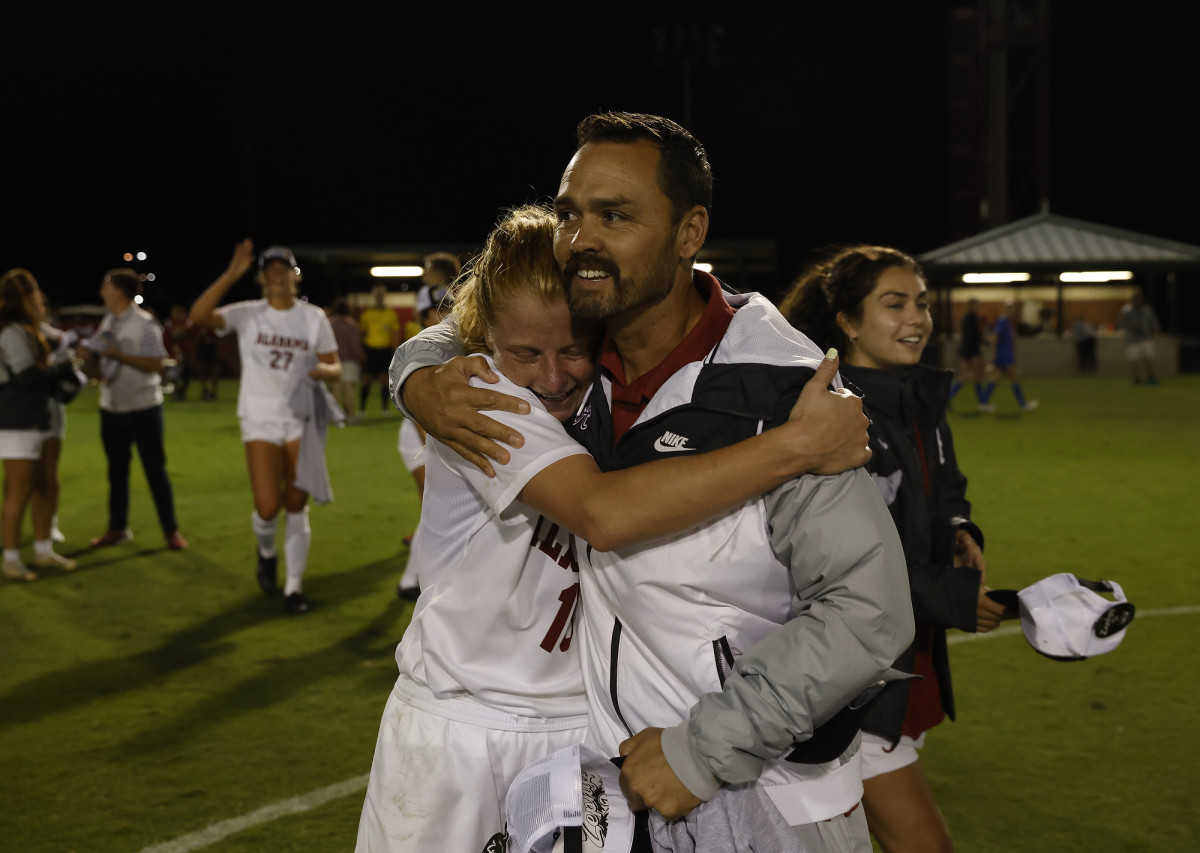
235,315
546,442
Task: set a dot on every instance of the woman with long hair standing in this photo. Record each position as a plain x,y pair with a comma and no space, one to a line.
871,303
26,379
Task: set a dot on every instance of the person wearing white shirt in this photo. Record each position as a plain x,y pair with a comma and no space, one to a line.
490,674
284,342
127,353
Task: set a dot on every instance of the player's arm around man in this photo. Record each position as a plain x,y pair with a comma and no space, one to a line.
852,617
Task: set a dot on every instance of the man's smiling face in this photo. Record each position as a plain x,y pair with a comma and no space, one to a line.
616,240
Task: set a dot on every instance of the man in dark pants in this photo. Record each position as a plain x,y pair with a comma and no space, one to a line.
127,352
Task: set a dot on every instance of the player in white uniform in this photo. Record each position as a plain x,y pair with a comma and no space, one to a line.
489,678
411,442
283,342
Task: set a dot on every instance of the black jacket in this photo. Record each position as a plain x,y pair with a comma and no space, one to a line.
906,407
25,397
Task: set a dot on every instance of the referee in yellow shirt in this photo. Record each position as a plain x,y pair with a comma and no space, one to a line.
381,335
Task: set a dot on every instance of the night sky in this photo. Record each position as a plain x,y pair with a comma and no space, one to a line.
177,128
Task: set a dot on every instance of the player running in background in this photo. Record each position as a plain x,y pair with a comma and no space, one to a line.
1004,360
489,676
871,301
285,345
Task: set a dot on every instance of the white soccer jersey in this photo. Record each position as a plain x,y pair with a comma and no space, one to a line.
278,349
499,583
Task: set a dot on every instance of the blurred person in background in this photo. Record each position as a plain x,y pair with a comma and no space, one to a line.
412,437
1083,334
49,485
1138,322
441,269
127,354
1004,360
970,355
285,345
208,363
871,303
351,354
181,346
28,377
380,335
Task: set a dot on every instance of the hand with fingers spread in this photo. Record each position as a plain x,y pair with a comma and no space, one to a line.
648,781
443,402
831,424
242,260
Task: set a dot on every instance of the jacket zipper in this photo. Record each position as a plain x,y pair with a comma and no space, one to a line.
612,674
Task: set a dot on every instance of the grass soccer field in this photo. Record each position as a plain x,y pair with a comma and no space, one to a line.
154,700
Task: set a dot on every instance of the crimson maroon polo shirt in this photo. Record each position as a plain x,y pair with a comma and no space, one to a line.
628,401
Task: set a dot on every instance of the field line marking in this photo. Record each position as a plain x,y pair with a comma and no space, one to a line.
213,833
1015,630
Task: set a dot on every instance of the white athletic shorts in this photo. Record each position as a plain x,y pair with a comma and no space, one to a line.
878,757
273,432
442,769
1142,349
411,447
351,372
22,443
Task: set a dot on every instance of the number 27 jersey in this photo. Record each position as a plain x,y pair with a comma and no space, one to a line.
278,349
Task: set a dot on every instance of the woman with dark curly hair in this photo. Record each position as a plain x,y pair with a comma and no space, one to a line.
871,303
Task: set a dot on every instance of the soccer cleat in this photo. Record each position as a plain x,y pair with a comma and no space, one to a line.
1030,406
295,604
987,408
56,535
15,570
267,574
176,542
55,561
111,537
408,593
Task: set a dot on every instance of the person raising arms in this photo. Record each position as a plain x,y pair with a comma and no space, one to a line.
287,349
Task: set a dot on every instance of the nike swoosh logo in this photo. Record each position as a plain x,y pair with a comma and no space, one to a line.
667,448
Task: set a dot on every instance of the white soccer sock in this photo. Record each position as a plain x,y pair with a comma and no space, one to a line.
42,548
297,537
12,555
264,532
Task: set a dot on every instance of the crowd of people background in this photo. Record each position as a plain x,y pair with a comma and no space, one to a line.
533,305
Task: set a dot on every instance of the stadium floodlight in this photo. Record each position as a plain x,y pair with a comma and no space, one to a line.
128,256
149,276
396,272
994,277
1108,275
141,256
702,267
138,299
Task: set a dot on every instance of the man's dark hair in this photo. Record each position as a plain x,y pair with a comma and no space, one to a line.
126,280
683,171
